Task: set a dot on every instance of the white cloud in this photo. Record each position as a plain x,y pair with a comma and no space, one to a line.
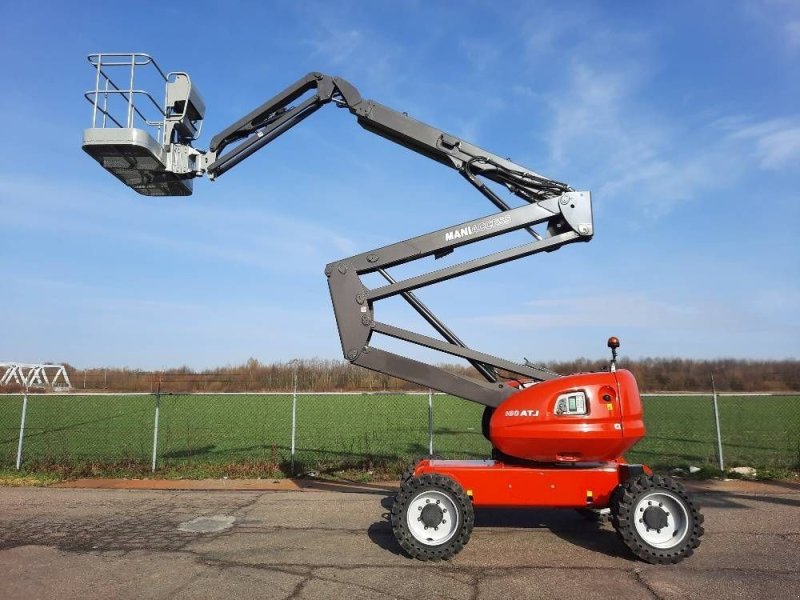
792,29
775,142
779,301
248,237
93,325
603,130
609,130
649,311
335,45
776,21
339,40
593,113
628,309
481,54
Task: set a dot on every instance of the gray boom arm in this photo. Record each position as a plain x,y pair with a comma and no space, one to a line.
278,115
167,165
569,220
567,213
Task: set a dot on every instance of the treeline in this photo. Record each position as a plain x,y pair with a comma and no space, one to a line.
689,375
315,375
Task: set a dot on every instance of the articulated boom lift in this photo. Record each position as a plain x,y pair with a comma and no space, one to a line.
558,441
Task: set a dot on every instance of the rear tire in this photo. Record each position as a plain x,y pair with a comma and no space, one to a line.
595,515
432,517
656,519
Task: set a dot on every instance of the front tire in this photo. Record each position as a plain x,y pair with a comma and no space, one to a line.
408,473
656,519
432,517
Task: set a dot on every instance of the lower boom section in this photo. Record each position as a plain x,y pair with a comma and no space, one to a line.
492,483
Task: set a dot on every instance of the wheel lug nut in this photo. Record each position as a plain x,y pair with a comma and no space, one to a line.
427,501
419,508
436,529
641,520
438,502
444,521
419,518
444,510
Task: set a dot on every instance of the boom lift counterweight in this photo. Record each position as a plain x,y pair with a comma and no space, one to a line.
557,441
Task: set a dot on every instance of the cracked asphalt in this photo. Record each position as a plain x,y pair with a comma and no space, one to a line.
82,543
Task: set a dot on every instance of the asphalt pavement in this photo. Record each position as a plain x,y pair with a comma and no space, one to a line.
333,541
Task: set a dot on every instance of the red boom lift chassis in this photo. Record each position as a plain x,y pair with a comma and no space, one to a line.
558,441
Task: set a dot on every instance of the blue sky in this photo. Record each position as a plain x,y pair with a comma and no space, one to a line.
681,118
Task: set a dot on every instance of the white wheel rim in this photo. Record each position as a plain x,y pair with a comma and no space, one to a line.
677,520
444,531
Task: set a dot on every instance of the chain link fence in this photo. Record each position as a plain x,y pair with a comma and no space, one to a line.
754,430
274,434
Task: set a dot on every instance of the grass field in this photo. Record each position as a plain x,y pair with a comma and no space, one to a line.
251,434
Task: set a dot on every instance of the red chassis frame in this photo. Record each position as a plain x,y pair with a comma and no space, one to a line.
493,483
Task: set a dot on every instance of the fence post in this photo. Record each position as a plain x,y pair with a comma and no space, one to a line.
716,425
155,428
294,413
22,427
430,422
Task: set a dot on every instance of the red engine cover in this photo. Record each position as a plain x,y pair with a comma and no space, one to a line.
600,419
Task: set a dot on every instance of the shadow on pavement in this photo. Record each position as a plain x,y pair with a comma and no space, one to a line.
565,523
376,489
381,535
726,500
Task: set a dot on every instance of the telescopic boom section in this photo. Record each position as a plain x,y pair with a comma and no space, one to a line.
278,115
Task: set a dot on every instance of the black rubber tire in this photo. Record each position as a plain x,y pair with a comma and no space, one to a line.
416,548
622,518
409,471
